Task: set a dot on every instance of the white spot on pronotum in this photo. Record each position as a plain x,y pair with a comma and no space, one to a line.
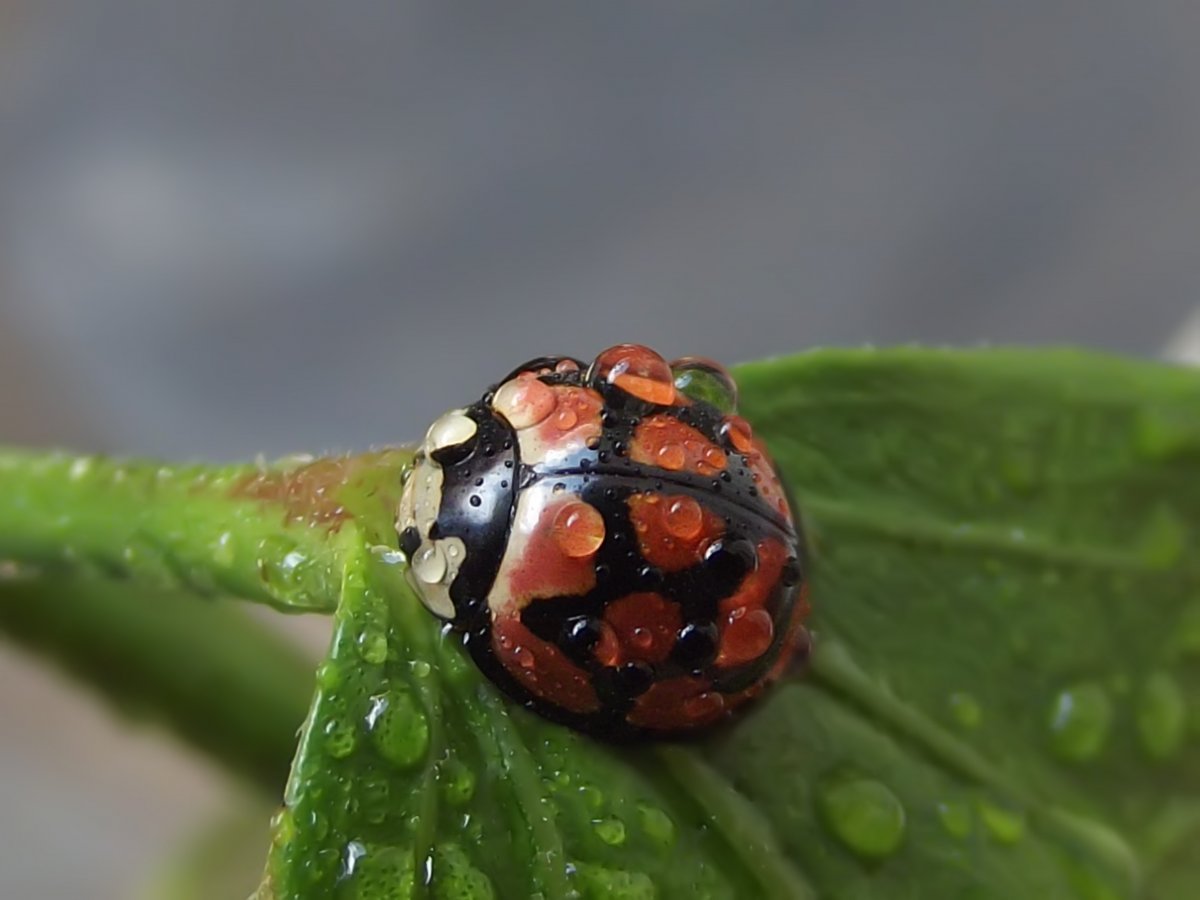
450,430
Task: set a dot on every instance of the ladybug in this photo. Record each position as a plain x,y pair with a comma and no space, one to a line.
612,542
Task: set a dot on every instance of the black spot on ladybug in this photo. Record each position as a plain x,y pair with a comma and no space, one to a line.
791,572
633,678
454,454
410,541
729,561
696,645
579,636
650,576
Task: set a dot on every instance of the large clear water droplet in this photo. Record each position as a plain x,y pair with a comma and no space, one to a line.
457,780
705,381
966,710
613,884
637,370
375,872
656,825
429,563
864,815
1005,825
398,727
610,830
1080,721
956,818
340,738
454,877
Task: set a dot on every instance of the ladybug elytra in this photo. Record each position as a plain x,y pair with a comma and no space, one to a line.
612,542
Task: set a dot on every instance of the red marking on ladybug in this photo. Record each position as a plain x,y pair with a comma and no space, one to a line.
678,704
664,441
673,549
620,554
541,667
645,625
549,550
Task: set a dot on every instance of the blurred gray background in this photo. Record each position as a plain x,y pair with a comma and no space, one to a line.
231,228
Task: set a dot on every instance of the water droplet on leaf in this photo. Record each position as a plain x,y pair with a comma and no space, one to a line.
656,824
966,710
1005,825
1080,721
956,818
1161,716
864,815
399,727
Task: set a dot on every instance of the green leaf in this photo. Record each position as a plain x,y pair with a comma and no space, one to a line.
1002,701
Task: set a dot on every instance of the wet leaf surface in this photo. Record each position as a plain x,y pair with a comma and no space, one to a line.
1002,701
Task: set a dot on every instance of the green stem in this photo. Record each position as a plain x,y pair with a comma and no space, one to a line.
273,534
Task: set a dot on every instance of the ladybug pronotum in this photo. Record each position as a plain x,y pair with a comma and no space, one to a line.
612,541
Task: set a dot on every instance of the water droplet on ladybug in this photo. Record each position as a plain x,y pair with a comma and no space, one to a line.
737,431
565,419
607,649
747,635
671,456
429,564
684,517
524,657
641,638
476,500
705,381
578,529
637,370
524,401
